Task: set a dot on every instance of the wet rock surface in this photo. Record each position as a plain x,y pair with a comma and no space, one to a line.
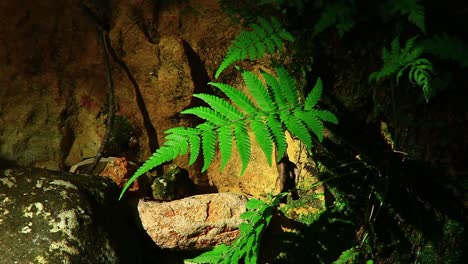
58,217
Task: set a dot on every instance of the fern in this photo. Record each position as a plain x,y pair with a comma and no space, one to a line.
276,107
266,36
339,13
246,247
413,10
398,60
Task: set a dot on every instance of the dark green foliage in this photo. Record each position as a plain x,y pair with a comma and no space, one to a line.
246,247
276,107
398,60
446,47
266,36
338,13
411,8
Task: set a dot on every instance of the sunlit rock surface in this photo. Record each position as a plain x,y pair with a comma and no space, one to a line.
196,222
58,217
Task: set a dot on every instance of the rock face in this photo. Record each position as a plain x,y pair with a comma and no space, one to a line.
196,222
57,217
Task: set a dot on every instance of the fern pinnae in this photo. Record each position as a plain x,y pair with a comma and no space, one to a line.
221,106
208,114
312,122
225,144
288,87
276,90
258,91
263,136
242,143
313,97
277,131
265,35
297,128
208,144
325,115
237,97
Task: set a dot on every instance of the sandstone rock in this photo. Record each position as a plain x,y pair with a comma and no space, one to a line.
196,222
58,217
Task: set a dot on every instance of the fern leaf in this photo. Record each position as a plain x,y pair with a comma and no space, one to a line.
314,95
238,97
312,121
325,115
335,13
297,128
194,142
263,136
288,86
208,144
278,134
163,154
413,9
275,87
208,114
221,106
265,35
281,31
193,137
258,91
243,144
225,144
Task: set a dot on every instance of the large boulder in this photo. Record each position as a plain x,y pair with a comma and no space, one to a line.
59,217
196,222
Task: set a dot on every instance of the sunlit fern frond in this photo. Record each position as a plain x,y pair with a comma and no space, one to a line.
276,107
265,36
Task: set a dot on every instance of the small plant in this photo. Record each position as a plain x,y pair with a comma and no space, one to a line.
277,107
398,60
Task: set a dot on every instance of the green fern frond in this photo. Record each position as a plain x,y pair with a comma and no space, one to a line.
258,91
221,106
265,36
245,249
208,114
276,108
339,13
264,138
277,131
297,128
314,95
288,87
275,87
399,60
225,136
312,121
446,47
243,144
325,115
237,97
413,9
208,144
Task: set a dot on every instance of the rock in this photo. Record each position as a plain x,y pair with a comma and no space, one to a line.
59,217
196,222
174,184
